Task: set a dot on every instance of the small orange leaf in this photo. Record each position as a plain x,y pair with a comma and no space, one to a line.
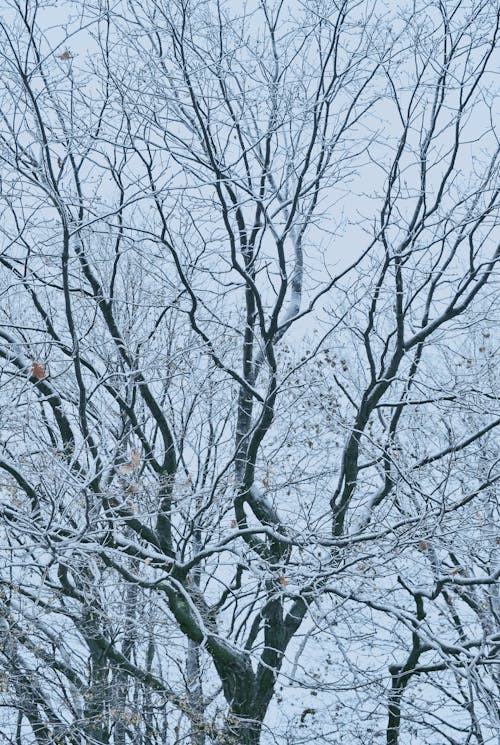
37,371
283,580
126,468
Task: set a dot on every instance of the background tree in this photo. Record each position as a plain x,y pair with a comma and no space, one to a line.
249,403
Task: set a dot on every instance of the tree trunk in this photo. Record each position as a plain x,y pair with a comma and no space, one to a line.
195,693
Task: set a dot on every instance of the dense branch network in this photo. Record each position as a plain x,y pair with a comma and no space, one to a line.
249,276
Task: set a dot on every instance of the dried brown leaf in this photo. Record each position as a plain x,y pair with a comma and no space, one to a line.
135,459
37,371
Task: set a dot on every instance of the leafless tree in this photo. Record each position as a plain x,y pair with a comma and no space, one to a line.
249,400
